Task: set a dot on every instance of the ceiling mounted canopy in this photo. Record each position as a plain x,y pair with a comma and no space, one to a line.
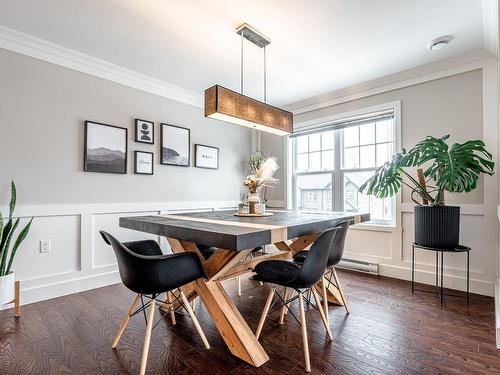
229,106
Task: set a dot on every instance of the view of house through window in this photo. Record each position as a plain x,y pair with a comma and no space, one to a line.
330,165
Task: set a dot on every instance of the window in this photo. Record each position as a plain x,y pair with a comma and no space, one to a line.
315,152
330,165
312,196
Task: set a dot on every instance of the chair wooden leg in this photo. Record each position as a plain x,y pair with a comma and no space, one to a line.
284,308
308,295
265,311
239,285
304,333
290,295
334,272
125,321
325,299
251,257
322,313
171,308
193,305
147,337
186,304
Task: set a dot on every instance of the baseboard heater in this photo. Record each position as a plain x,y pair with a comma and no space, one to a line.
358,266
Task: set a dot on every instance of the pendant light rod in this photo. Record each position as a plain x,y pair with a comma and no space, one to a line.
260,40
241,64
265,76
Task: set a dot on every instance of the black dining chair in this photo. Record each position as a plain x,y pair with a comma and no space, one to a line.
336,252
300,278
145,270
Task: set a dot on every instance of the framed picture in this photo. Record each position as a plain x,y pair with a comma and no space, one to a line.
105,148
206,156
143,162
174,145
144,131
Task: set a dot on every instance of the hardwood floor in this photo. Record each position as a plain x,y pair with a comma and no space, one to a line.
389,331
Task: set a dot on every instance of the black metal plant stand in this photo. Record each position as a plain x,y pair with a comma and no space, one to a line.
439,276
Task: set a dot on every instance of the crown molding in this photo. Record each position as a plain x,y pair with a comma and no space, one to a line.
44,50
424,73
490,26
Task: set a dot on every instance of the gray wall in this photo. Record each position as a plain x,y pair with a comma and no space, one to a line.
451,105
42,109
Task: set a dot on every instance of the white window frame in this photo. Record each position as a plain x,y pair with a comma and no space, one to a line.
318,123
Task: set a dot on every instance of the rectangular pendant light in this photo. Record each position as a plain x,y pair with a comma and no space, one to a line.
229,106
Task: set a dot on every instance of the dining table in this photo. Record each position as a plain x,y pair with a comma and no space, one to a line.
234,238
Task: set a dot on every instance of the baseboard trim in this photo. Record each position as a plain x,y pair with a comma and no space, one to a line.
455,282
82,283
62,288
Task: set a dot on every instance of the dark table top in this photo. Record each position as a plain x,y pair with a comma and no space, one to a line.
223,229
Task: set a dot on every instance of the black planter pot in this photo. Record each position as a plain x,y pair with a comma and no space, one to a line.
437,226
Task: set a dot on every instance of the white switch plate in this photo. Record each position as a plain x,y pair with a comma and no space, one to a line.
45,246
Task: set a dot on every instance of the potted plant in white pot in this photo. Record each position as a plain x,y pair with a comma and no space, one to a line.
440,168
7,254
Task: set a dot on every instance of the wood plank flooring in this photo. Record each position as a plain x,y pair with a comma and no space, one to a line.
389,331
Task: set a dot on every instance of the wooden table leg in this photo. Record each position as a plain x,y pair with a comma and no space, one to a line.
233,328
332,291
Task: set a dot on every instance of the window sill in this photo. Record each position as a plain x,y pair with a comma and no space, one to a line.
376,227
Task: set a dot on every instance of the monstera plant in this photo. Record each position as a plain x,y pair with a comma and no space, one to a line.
7,254
440,168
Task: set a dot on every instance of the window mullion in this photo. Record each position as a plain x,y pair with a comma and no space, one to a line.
337,191
294,174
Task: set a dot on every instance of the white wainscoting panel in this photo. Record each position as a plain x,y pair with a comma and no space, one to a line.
64,256
79,259
360,243
102,254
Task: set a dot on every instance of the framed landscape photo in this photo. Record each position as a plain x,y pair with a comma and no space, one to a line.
105,148
206,156
174,145
144,131
143,162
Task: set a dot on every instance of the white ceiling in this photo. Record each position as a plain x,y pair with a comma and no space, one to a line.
317,46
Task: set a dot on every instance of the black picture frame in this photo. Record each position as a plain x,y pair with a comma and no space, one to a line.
165,155
93,164
198,154
136,160
137,139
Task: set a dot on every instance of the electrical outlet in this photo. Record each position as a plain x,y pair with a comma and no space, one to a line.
44,246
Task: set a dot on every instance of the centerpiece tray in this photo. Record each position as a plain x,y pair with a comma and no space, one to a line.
253,215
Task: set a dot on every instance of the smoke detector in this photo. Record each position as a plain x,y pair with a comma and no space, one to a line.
440,43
